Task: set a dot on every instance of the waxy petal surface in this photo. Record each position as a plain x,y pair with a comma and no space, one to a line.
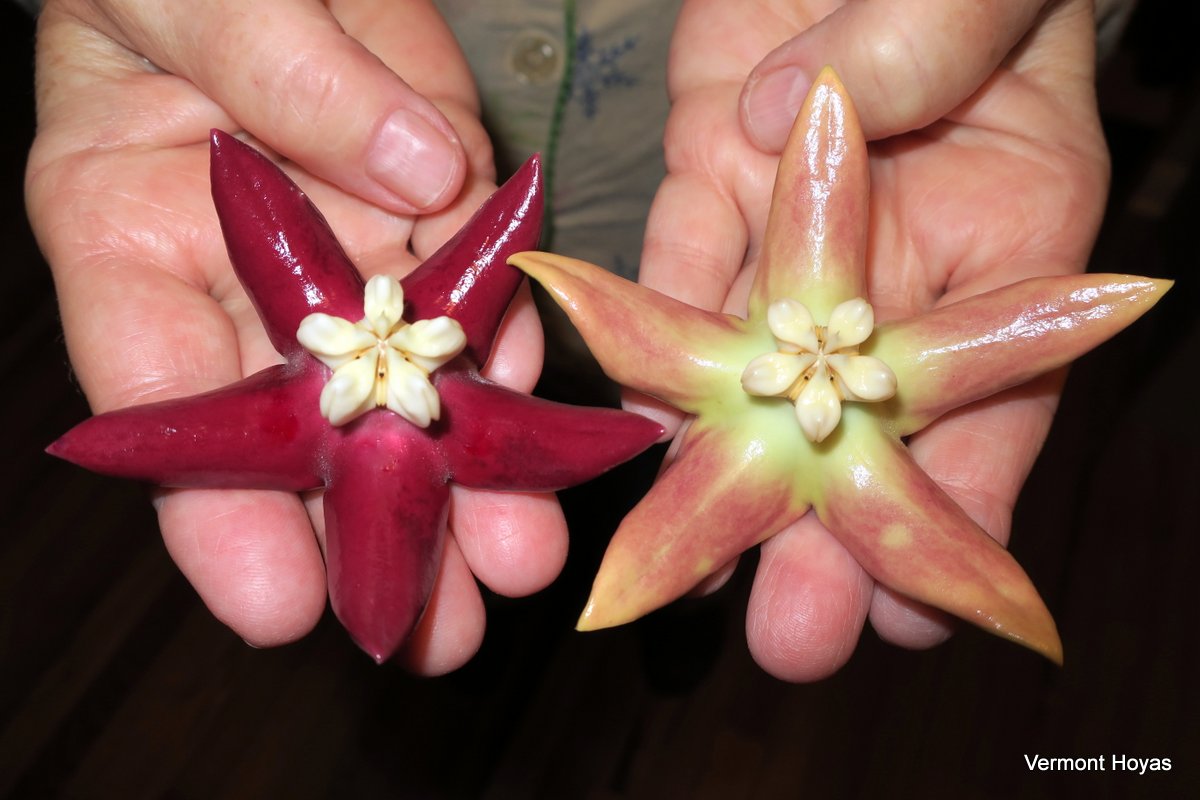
386,478
913,538
815,246
280,245
844,457
976,347
726,491
508,222
385,520
259,433
682,352
528,443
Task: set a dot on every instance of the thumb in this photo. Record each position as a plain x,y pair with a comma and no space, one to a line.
289,74
905,63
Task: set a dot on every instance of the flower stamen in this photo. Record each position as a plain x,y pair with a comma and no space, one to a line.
818,367
381,361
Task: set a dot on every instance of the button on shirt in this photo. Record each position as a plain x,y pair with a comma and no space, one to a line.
605,80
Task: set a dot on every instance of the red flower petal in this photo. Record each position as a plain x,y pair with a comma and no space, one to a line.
279,243
468,278
385,519
263,432
495,438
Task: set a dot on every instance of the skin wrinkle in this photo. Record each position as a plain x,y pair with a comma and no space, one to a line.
311,89
257,594
894,54
139,124
794,627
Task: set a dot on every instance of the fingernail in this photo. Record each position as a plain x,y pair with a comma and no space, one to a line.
412,159
772,103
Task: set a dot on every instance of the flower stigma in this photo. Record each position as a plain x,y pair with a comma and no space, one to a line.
817,367
381,361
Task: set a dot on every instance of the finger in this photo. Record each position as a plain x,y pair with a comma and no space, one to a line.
695,241
515,543
288,74
142,315
980,455
251,557
808,603
905,63
451,630
425,53
664,414
516,359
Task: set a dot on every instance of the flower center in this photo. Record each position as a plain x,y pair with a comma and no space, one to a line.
817,367
381,361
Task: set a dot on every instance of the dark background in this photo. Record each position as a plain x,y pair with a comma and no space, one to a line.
116,682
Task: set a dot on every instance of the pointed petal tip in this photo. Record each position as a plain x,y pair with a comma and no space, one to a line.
381,649
533,164
533,262
596,617
55,448
1024,620
1038,633
222,143
1160,286
828,76
81,446
1143,288
75,447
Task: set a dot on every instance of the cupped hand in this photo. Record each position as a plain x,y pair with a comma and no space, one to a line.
987,166
118,195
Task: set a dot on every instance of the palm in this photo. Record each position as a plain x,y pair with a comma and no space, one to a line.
1008,185
118,192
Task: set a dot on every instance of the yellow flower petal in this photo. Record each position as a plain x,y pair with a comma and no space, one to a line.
863,377
818,407
849,325
383,304
792,323
350,392
773,374
333,340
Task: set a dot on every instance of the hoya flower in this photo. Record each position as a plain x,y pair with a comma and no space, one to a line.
805,403
381,361
818,366
381,413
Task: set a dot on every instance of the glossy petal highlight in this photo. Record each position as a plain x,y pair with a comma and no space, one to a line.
972,349
910,536
385,519
816,243
258,433
684,354
530,444
281,247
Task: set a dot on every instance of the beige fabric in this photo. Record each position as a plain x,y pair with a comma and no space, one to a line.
608,161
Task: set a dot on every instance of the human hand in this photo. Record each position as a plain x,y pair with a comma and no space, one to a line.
118,195
988,167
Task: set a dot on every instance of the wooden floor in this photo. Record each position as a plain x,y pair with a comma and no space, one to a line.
116,683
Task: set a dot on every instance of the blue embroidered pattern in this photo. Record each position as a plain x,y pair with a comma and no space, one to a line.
597,69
